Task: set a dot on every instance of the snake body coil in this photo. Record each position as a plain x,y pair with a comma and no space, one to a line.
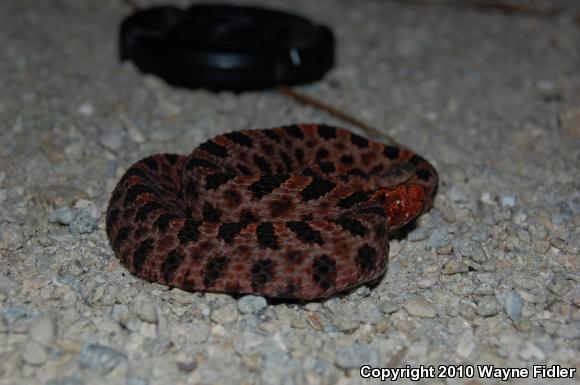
302,211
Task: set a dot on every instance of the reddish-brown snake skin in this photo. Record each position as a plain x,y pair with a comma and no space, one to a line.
302,212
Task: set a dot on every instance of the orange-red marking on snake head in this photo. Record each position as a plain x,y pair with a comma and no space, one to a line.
402,203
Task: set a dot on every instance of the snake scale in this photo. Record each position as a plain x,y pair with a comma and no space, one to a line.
299,212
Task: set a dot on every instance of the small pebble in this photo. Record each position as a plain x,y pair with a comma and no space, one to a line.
112,139
470,249
120,312
454,266
549,90
197,332
182,297
99,359
34,353
146,310
347,321
467,311
133,131
252,304
417,234
354,356
523,324
512,304
86,109
549,326
426,282
488,306
185,362
569,331
389,307
89,206
248,342
444,249
486,198
532,352
219,330
484,289
298,321
83,223
559,286
448,213
314,306
465,346
11,237
62,215
44,330
418,306
13,313
508,201
480,235
369,313
438,238
363,291
226,314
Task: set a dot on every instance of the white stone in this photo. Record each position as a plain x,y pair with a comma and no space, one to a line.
532,352
86,109
34,353
45,330
418,306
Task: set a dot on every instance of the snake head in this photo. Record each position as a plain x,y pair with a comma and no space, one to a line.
402,203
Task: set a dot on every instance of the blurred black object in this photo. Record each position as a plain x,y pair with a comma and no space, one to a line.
222,47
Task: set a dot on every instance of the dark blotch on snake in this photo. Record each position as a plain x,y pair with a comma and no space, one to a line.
239,138
262,164
142,253
324,271
262,272
266,184
317,188
213,181
214,269
170,264
353,226
214,149
147,209
229,230
189,231
210,213
304,232
267,236
294,131
194,162
391,152
366,257
326,132
359,141
352,199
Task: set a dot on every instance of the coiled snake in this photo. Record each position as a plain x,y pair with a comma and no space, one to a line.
302,211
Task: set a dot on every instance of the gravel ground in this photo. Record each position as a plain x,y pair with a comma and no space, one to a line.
491,275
